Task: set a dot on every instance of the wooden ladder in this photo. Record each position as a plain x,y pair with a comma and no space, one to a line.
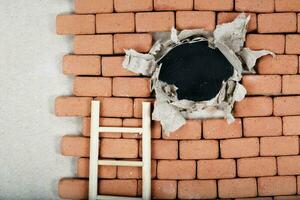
145,163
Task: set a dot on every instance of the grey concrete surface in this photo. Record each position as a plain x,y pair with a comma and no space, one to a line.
30,79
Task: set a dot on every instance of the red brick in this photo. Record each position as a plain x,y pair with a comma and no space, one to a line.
298,185
125,172
118,187
116,107
155,128
73,188
277,185
298,20
216,169
220,129
75,146
197,189
73,106
277,23
154,21
133,5
262,84
173,4
292,42
93,6
115,23
75,24
93,44
197,149
131,87
287,105
81,65
279,146
215,5
262,126
238,148
254,5
254,106
103,171
112,66
138,105
280,64
118,148
254,167
291,125
287,5
115,122
255,198
92,86
195,20
274,43
163,189
288,165
289,197
176,169
240,187
291,84
191,130
138,42
225,17
164,149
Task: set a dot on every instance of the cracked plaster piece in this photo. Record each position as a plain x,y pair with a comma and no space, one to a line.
172,113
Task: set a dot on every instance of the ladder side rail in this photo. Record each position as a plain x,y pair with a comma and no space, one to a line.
146,147
94,150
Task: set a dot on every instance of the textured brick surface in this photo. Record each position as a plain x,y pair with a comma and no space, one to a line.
225,17
277,23
81,65
133,5
112,66
254,157
272,42
215,5
75,24
216,169
254,5
115,23
262,126
93,6
93,44
262,84
254,106
173,4
155,21
199,149
240,187
275,146
195,19
255,167
138,42
277,185
238,148
281,64
92,86
176,169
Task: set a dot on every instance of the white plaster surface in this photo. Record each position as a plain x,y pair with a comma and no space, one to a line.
30,79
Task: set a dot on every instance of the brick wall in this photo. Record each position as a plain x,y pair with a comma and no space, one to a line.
256,156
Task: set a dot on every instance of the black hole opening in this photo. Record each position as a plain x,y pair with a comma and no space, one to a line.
196,70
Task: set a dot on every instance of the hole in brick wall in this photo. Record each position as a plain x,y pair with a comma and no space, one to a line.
196,70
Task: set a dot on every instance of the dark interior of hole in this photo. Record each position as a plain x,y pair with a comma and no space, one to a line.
196,70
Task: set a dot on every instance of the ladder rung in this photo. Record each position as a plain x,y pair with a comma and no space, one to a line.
116,197
120,163
120,129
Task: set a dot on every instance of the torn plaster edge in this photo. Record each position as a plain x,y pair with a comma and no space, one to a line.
229,38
